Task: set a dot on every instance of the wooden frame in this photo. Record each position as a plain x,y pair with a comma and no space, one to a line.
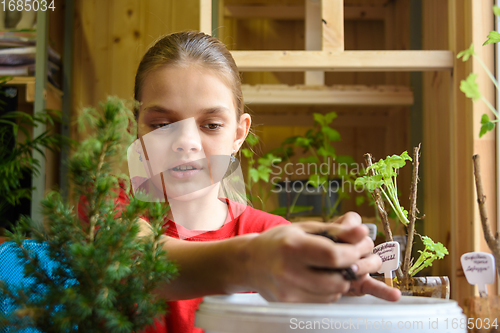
359,61
321,95
284,12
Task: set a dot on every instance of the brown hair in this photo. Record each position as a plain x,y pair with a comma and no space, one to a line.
190,47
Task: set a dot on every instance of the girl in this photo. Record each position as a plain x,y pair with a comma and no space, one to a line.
190,116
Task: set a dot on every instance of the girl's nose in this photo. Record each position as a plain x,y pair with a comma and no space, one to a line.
188,140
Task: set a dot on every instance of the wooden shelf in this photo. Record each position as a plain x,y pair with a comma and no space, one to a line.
272,94
29,82
297,12
346,61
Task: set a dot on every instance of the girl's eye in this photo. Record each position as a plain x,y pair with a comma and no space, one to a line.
213,127
163,125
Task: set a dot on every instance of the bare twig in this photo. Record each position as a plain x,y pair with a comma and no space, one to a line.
381,210
413,212
492,241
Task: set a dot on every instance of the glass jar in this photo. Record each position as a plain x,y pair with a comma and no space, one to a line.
425,286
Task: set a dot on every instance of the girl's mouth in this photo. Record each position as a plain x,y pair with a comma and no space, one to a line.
183,171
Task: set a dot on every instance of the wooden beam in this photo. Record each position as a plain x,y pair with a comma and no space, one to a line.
206,16
332,13
285,12
364,13
360,61
273,94
274,12
313,27
307,120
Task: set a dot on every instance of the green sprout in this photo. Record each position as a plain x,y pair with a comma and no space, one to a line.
384,179
385,175
431,252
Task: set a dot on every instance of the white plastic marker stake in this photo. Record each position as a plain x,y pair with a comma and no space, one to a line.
479,269
372,230
389,253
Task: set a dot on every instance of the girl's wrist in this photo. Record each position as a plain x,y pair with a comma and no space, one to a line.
242,265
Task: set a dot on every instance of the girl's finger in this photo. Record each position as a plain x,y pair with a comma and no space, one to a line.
369,264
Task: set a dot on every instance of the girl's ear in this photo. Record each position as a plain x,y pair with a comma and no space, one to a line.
242,130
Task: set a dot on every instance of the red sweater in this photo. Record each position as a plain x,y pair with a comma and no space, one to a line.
181,314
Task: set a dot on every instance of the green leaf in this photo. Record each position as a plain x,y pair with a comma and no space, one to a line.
466,54
439,249
470,87
329,117
247,152
333,135
254,175
327,151
319,118
496,10
486,125
252,139
303,142
264,172
269,159
396,161
493,37
370,183
360,200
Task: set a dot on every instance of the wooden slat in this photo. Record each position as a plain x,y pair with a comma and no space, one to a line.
206,16
286,12
313,26
332,12
321,95
361,13
307,120
361,61
275,12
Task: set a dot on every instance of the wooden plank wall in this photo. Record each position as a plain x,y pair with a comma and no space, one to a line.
110,38
436,148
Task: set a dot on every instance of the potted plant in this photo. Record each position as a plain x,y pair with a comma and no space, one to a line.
16,156
102,276
381,183
324,188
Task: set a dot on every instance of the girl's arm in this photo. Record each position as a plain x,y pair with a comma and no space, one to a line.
278,263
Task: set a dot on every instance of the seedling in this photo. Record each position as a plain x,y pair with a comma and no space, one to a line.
384,179
318,142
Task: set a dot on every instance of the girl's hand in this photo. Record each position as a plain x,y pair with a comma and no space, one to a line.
370,264
282,260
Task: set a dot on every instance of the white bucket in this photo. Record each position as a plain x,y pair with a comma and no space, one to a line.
249,313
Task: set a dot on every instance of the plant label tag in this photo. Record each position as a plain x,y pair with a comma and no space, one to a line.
389,253
372,230
479,269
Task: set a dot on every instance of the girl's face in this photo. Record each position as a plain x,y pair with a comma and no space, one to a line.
187,120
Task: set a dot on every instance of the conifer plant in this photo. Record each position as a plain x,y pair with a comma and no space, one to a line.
105,275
